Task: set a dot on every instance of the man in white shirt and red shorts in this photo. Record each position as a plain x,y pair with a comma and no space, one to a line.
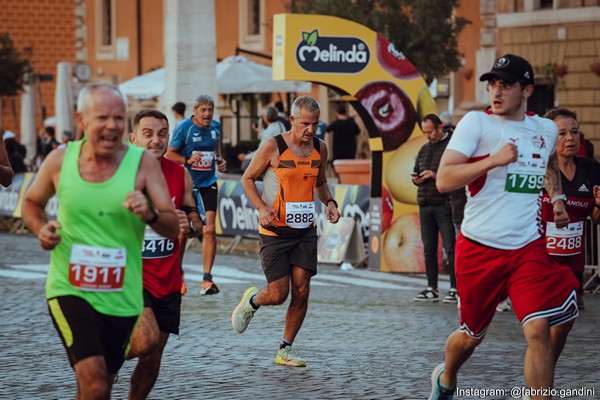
505,158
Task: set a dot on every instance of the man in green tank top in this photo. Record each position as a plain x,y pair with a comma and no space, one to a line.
108,191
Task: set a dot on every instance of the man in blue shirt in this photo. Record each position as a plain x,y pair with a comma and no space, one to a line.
196,144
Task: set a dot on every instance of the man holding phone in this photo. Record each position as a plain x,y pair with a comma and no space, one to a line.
435,213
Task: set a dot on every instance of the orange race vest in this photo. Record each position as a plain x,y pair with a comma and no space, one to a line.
289,188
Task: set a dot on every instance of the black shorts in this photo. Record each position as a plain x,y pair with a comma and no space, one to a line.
280,253
167,310
85,332
210,195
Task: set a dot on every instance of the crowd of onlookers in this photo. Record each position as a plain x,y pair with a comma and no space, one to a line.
17,152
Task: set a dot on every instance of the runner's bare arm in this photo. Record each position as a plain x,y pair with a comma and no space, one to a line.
173,155
42,188
456,172
160,212
332,214
189,201
266,155
553,185
6,172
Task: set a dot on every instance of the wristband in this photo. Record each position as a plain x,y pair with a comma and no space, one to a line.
188,209
186,160
334,202
154,217
559,197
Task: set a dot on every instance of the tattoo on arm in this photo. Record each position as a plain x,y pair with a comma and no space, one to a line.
552,181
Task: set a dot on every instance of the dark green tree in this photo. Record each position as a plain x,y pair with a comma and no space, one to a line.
13,67
424,30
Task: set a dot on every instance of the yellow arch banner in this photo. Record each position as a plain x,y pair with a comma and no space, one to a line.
390,96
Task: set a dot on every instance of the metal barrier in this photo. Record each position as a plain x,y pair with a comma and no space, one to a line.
592,239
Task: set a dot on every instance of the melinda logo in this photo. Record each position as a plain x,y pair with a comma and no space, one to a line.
332,53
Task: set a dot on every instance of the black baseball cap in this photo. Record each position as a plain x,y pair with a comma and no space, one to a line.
510,68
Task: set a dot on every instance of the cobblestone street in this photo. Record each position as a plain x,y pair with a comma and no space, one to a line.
363,338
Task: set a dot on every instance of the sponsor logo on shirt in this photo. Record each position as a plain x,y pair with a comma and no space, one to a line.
583,188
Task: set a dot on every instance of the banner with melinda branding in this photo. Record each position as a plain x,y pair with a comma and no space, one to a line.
390,96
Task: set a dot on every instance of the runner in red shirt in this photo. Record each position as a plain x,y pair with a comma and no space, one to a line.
161,257
580,177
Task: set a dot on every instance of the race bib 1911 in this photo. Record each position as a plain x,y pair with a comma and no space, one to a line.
97,269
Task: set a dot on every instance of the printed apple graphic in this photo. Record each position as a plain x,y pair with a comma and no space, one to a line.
387,209
425,103
391,110
394,61
398,169
403,248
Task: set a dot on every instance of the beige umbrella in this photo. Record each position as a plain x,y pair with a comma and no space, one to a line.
28,123
63,100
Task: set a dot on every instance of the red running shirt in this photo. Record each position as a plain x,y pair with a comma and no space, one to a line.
162,269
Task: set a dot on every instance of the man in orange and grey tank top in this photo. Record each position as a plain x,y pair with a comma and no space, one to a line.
108,192
293,164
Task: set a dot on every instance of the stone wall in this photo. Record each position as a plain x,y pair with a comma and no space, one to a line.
575,45
47,27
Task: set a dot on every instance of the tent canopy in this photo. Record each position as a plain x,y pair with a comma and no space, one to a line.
235,74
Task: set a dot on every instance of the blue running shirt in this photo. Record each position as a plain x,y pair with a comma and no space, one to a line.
187,138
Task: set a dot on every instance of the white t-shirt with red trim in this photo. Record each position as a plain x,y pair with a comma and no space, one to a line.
503,205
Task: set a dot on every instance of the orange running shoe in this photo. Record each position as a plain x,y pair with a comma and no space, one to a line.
208,287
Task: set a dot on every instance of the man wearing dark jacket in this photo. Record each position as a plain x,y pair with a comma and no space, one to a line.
434,210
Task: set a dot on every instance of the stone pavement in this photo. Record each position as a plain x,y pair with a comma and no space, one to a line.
363,338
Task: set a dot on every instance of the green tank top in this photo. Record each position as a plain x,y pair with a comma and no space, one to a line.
99,257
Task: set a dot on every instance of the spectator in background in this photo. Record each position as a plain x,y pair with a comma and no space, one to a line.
6,171
16,152
321,129
458,200
48,142
273,127
435,213
283,116
345,134
178,111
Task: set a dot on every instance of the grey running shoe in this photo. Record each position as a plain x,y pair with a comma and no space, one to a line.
243,313
437,392
429,295
288,356
451,297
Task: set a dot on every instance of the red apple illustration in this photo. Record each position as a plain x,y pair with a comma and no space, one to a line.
394,61
387,209
391,110
403,248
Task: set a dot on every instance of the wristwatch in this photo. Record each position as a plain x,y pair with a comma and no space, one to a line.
559,197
